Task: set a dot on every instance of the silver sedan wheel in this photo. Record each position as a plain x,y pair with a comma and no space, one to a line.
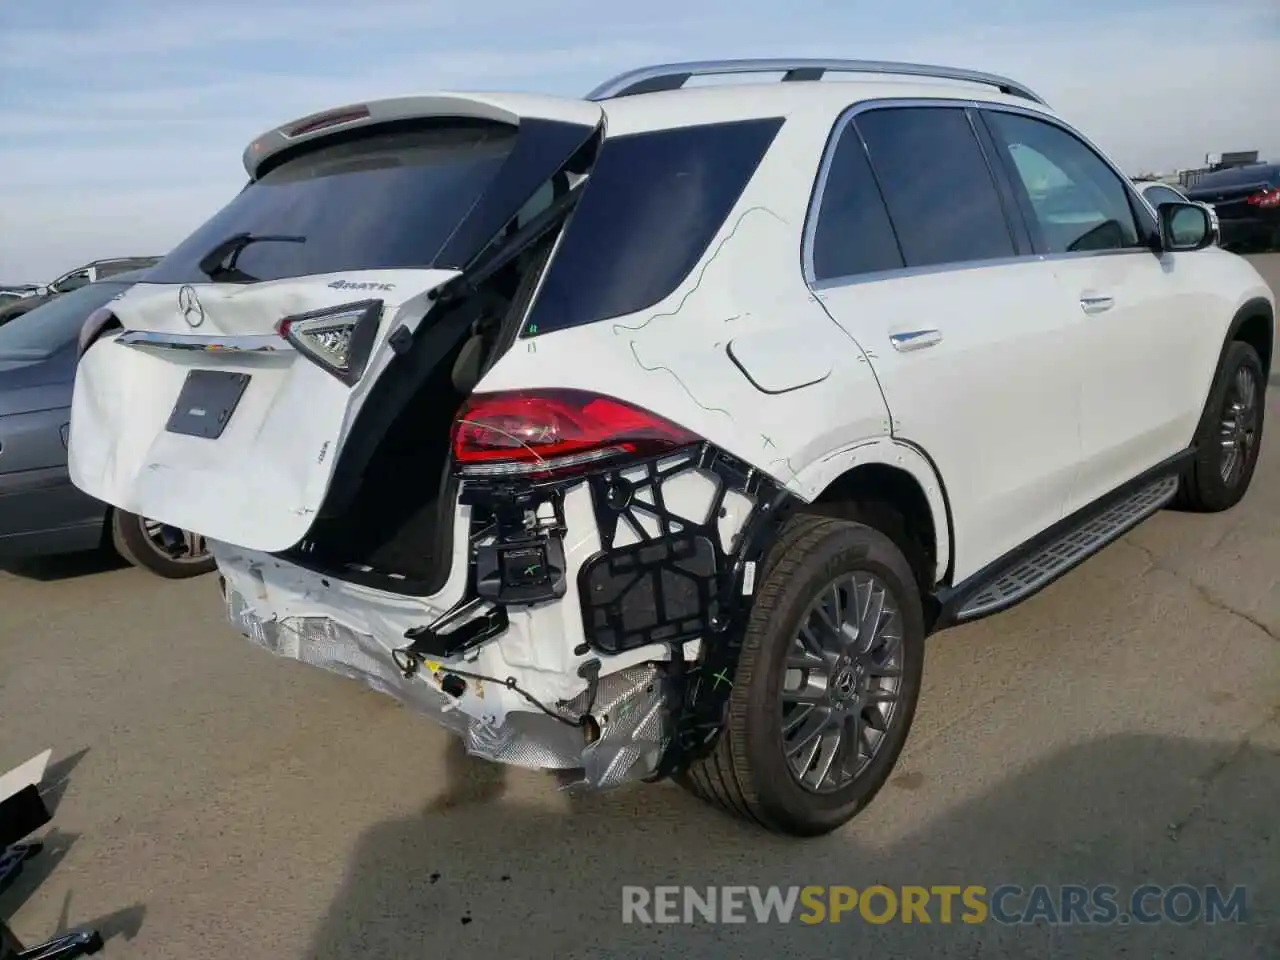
180,546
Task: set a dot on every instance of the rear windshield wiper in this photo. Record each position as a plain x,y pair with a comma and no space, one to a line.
220,261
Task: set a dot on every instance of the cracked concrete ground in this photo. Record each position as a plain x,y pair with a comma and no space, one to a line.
1122,727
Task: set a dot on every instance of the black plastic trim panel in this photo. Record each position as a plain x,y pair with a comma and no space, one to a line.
690,584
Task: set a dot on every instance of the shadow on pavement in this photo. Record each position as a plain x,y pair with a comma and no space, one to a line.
484,875
54,845
65,566
57,778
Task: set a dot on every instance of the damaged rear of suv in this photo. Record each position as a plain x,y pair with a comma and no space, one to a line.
529,412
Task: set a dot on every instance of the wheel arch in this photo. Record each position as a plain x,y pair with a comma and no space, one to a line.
1254,323
900,475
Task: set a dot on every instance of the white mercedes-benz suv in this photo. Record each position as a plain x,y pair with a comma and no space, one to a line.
650,434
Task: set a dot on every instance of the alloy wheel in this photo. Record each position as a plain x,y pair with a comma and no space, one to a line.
843,682
1239,426
180,546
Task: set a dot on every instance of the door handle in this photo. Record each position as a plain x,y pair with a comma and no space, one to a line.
915,339
1096,303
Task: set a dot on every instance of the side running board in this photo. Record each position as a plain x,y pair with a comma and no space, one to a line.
993,590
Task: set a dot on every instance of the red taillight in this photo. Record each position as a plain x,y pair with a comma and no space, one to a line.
1266,199
537,433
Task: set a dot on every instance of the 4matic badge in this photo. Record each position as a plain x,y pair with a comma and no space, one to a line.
360,285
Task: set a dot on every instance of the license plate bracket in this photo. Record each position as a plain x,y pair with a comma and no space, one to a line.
206,402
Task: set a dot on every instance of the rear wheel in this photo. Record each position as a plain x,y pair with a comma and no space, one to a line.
827,684
1229,437
164,550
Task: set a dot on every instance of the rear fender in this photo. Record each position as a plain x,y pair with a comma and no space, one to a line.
821,473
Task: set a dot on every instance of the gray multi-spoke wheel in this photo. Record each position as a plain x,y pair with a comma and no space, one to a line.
163,549
1239,425
826,686
842,683
1229,437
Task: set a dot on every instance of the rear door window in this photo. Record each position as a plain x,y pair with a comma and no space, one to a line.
853,234
650,208
937,185
384,200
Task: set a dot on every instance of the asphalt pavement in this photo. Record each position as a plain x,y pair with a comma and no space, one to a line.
1121,728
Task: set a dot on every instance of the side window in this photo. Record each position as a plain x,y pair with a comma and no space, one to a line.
649,211
1158,195
941,196
1079,203
71,281
853,234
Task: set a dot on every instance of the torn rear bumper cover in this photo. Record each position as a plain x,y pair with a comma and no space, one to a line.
625,740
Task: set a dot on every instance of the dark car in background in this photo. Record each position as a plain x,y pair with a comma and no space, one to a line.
1247,200
41,512
72,280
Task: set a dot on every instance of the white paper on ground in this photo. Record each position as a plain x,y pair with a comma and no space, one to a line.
24,775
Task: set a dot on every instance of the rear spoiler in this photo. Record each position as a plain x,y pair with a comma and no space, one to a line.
500,108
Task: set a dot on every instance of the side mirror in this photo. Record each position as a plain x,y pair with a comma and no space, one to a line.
1186,227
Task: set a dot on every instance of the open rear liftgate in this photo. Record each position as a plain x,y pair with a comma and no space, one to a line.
673,581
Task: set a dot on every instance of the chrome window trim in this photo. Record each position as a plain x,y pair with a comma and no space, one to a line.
205,343
824,170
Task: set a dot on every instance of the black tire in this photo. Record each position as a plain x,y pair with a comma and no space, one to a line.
130,540
1202,487
747,772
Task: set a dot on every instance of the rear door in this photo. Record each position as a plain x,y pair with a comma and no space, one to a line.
918,252
220,396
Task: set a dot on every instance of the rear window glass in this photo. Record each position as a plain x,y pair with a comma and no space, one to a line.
651,206
1239,177
115,268
384,200
56,324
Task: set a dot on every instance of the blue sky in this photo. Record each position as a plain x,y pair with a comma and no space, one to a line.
122,121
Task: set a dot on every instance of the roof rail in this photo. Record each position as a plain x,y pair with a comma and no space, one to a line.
673,76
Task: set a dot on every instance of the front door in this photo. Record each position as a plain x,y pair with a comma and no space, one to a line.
920,256
1139,391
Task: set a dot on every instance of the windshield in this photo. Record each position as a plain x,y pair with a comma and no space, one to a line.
50,327
383,200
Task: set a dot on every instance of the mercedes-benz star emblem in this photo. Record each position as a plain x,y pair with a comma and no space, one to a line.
189,304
